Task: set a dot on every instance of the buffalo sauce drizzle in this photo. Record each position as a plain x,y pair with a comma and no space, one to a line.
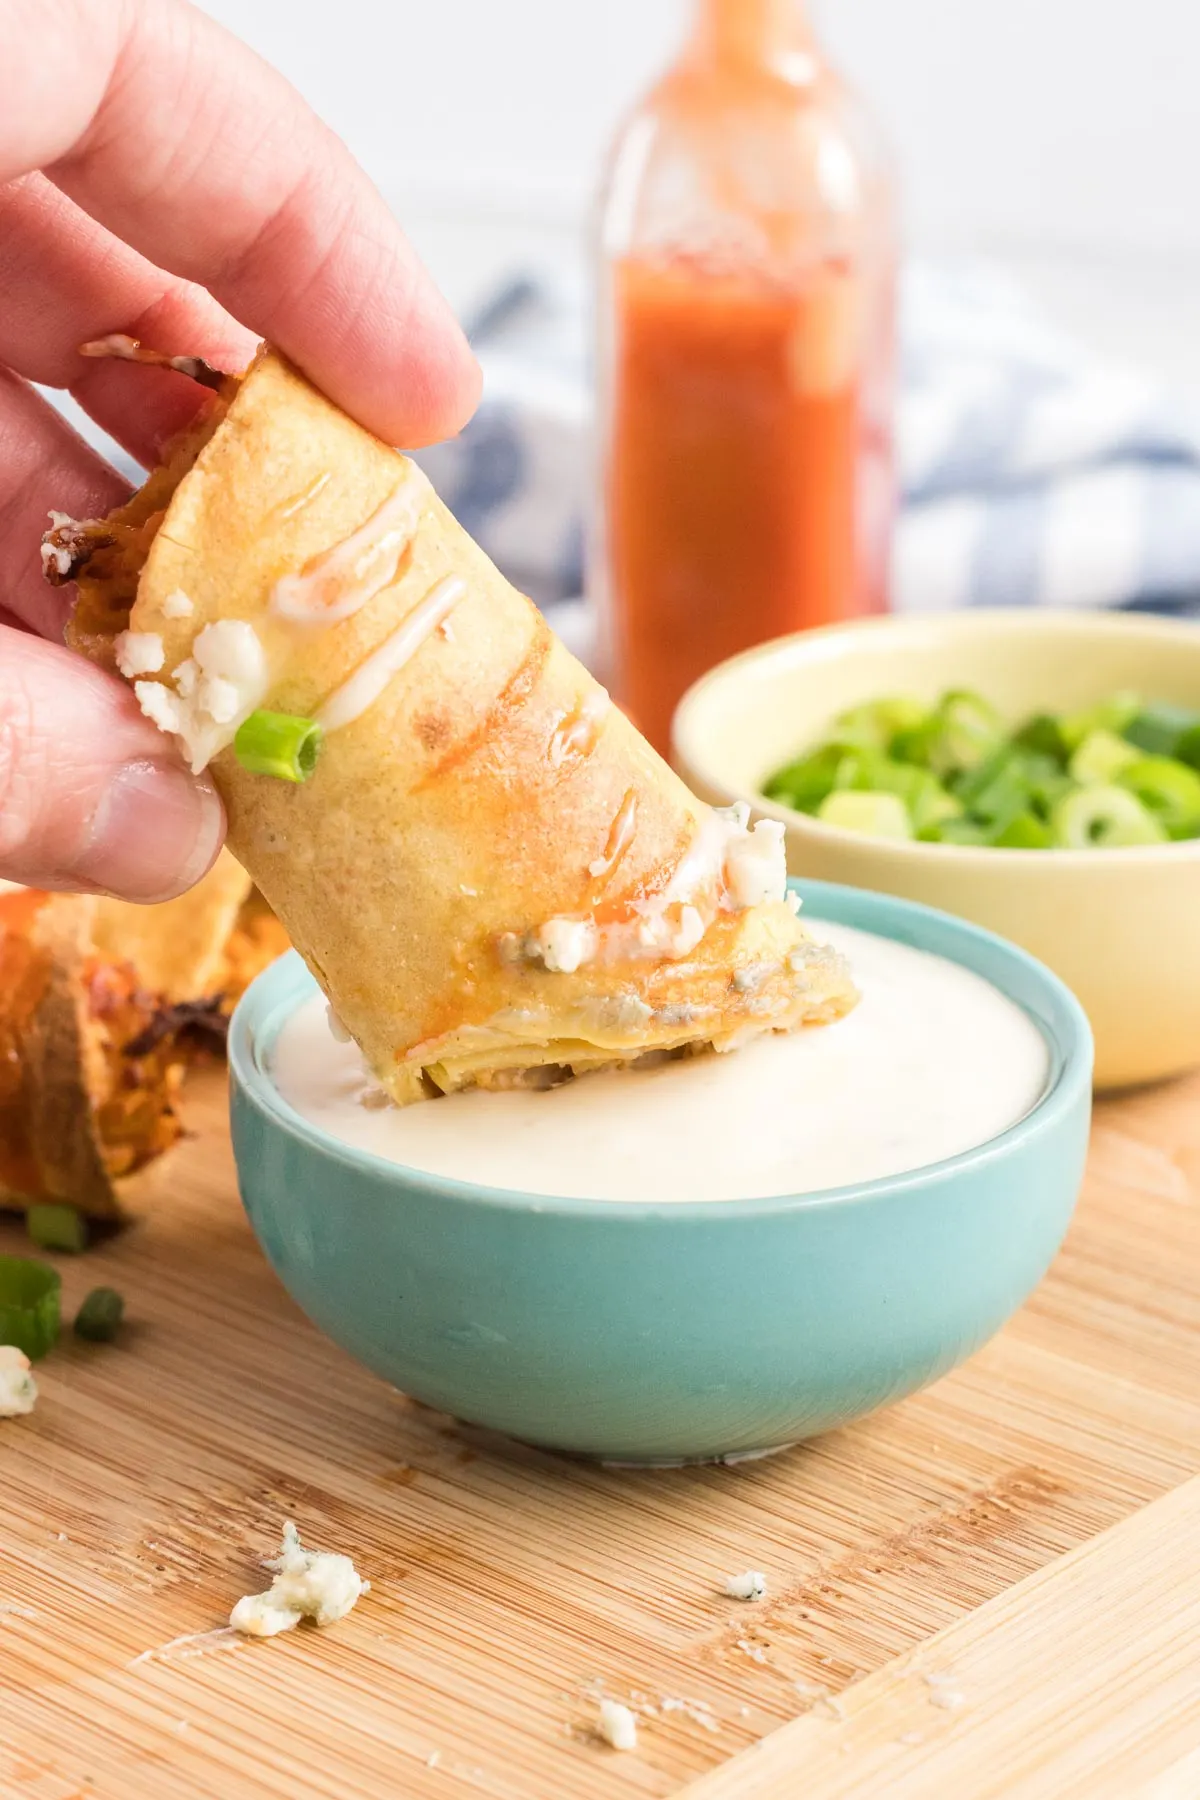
577,732
620,836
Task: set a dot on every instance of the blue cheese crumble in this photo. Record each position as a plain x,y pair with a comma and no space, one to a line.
750,1586
617,1725
18,1389
308,1584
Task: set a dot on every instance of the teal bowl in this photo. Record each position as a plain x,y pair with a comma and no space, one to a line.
677,1332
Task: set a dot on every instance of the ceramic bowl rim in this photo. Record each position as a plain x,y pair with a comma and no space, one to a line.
1059,1017
979,621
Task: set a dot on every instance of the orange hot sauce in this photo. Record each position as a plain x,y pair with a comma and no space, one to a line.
746,366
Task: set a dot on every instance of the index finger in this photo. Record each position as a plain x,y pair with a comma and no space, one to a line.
185,144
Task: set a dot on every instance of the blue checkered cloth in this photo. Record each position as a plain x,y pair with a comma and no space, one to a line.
1032,473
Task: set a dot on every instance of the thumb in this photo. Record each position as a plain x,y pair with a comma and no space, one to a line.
91,794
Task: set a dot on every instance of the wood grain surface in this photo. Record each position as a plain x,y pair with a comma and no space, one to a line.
1084,1679
509,1587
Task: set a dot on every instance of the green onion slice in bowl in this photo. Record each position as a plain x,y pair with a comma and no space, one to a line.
1096,816
1113,774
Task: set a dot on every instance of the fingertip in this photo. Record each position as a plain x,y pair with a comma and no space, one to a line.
405,369
444,395
422,396
92,795
155,831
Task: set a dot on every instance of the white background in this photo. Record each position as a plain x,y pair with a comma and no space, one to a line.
1063,135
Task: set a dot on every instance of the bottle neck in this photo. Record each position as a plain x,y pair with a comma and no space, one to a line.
755,36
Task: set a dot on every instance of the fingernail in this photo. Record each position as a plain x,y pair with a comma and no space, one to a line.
154,833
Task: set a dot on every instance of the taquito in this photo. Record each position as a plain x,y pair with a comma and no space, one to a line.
103,1006
492,876
179,946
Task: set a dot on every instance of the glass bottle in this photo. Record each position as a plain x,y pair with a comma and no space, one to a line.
746,349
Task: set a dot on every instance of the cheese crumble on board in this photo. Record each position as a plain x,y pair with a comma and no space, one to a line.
750,1586
617,1725
18,1389
308,1584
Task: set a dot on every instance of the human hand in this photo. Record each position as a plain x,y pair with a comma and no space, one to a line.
158,179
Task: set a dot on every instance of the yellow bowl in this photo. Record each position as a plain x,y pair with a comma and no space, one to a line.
1122,927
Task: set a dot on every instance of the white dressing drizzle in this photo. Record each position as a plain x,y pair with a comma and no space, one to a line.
363,688
728,868
340,580
292,507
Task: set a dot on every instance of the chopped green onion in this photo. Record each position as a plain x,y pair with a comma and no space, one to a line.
1187,750
805,782
1158,729
99,1318
1168,789
1047,783
961,777
879,815
1042,735
30,1294
954,831
52,1226
930,804
997,790
958,734
1114,714
869,771
1101,757
279,744
1104,815
970,731
875,724
1025,832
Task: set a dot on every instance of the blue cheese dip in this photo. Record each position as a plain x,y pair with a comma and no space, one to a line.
933,1061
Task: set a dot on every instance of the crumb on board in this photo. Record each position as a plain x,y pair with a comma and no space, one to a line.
698,1711
750,1586
192,1643
617,1725
944,1691
18,1389
309,1584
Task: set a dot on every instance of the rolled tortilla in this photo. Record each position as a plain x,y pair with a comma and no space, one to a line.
491,874
102,1007
77,1111
178,947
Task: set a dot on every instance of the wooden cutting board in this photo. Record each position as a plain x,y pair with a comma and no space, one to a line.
906,1619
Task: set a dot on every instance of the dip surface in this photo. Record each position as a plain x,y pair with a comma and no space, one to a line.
933,1061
